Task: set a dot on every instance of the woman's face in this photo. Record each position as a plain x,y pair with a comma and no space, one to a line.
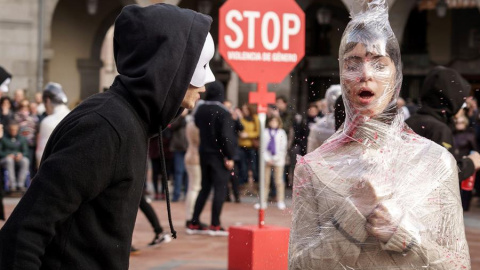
368,79
245,110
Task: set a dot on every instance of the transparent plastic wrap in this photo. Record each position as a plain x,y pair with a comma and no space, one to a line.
375,195
324,127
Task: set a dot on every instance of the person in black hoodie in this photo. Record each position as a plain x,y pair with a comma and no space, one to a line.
216,157
443,93
80,210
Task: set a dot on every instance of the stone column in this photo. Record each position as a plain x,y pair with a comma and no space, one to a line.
89,76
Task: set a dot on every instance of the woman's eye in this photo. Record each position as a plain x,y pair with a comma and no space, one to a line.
352,66
379,66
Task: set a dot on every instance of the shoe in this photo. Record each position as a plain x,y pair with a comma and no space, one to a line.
257,206
237,200
217,231
197,229
160,238
281,205
228,199
188,222
134,251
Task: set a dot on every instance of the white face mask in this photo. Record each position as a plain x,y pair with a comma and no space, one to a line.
4,86
203,74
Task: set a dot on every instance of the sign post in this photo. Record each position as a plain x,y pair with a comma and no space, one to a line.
262,41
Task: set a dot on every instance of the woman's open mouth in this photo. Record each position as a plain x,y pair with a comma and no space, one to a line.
365,95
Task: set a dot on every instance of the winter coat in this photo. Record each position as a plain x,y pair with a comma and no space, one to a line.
252,128
179,140
80,210
442,95
215,124
278,159
13,145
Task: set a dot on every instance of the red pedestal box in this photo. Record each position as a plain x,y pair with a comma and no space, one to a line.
252,248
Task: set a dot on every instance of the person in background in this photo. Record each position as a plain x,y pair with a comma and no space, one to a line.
401,106
192,165
287,115
435,118
238,127
159,235
216,157
178,146
40,105
28,129
274,152
18,97
56,108
6,110
464,144
5,80
323,128
14,156
248,142
156,162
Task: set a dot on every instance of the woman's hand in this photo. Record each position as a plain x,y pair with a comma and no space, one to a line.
380,224
364,197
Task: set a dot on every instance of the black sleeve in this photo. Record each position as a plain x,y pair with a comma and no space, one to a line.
465,168
227,136
78,164
238,126
444,137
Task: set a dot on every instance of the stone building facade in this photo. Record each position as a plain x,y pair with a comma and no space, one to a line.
76,44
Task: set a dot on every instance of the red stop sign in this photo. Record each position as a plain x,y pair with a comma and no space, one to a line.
262,40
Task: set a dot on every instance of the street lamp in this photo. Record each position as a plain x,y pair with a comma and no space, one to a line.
324,16
441,8
204,6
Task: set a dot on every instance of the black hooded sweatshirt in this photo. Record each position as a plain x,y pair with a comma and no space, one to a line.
215,123
80,210
442,95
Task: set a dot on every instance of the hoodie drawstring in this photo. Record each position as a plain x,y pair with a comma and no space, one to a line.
165,184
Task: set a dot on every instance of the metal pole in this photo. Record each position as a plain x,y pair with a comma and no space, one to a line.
41,14
262,117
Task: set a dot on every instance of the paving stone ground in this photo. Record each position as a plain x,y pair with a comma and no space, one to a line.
200,252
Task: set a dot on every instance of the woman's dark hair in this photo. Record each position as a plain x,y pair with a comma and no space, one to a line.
2,99
366,33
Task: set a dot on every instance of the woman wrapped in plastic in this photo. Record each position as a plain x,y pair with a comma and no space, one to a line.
375,195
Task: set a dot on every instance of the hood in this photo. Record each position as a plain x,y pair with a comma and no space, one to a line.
215,92
332,94
156,51
443,93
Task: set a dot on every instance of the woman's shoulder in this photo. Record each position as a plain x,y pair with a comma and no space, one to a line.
427,150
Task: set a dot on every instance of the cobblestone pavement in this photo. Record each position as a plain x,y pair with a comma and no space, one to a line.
202,252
